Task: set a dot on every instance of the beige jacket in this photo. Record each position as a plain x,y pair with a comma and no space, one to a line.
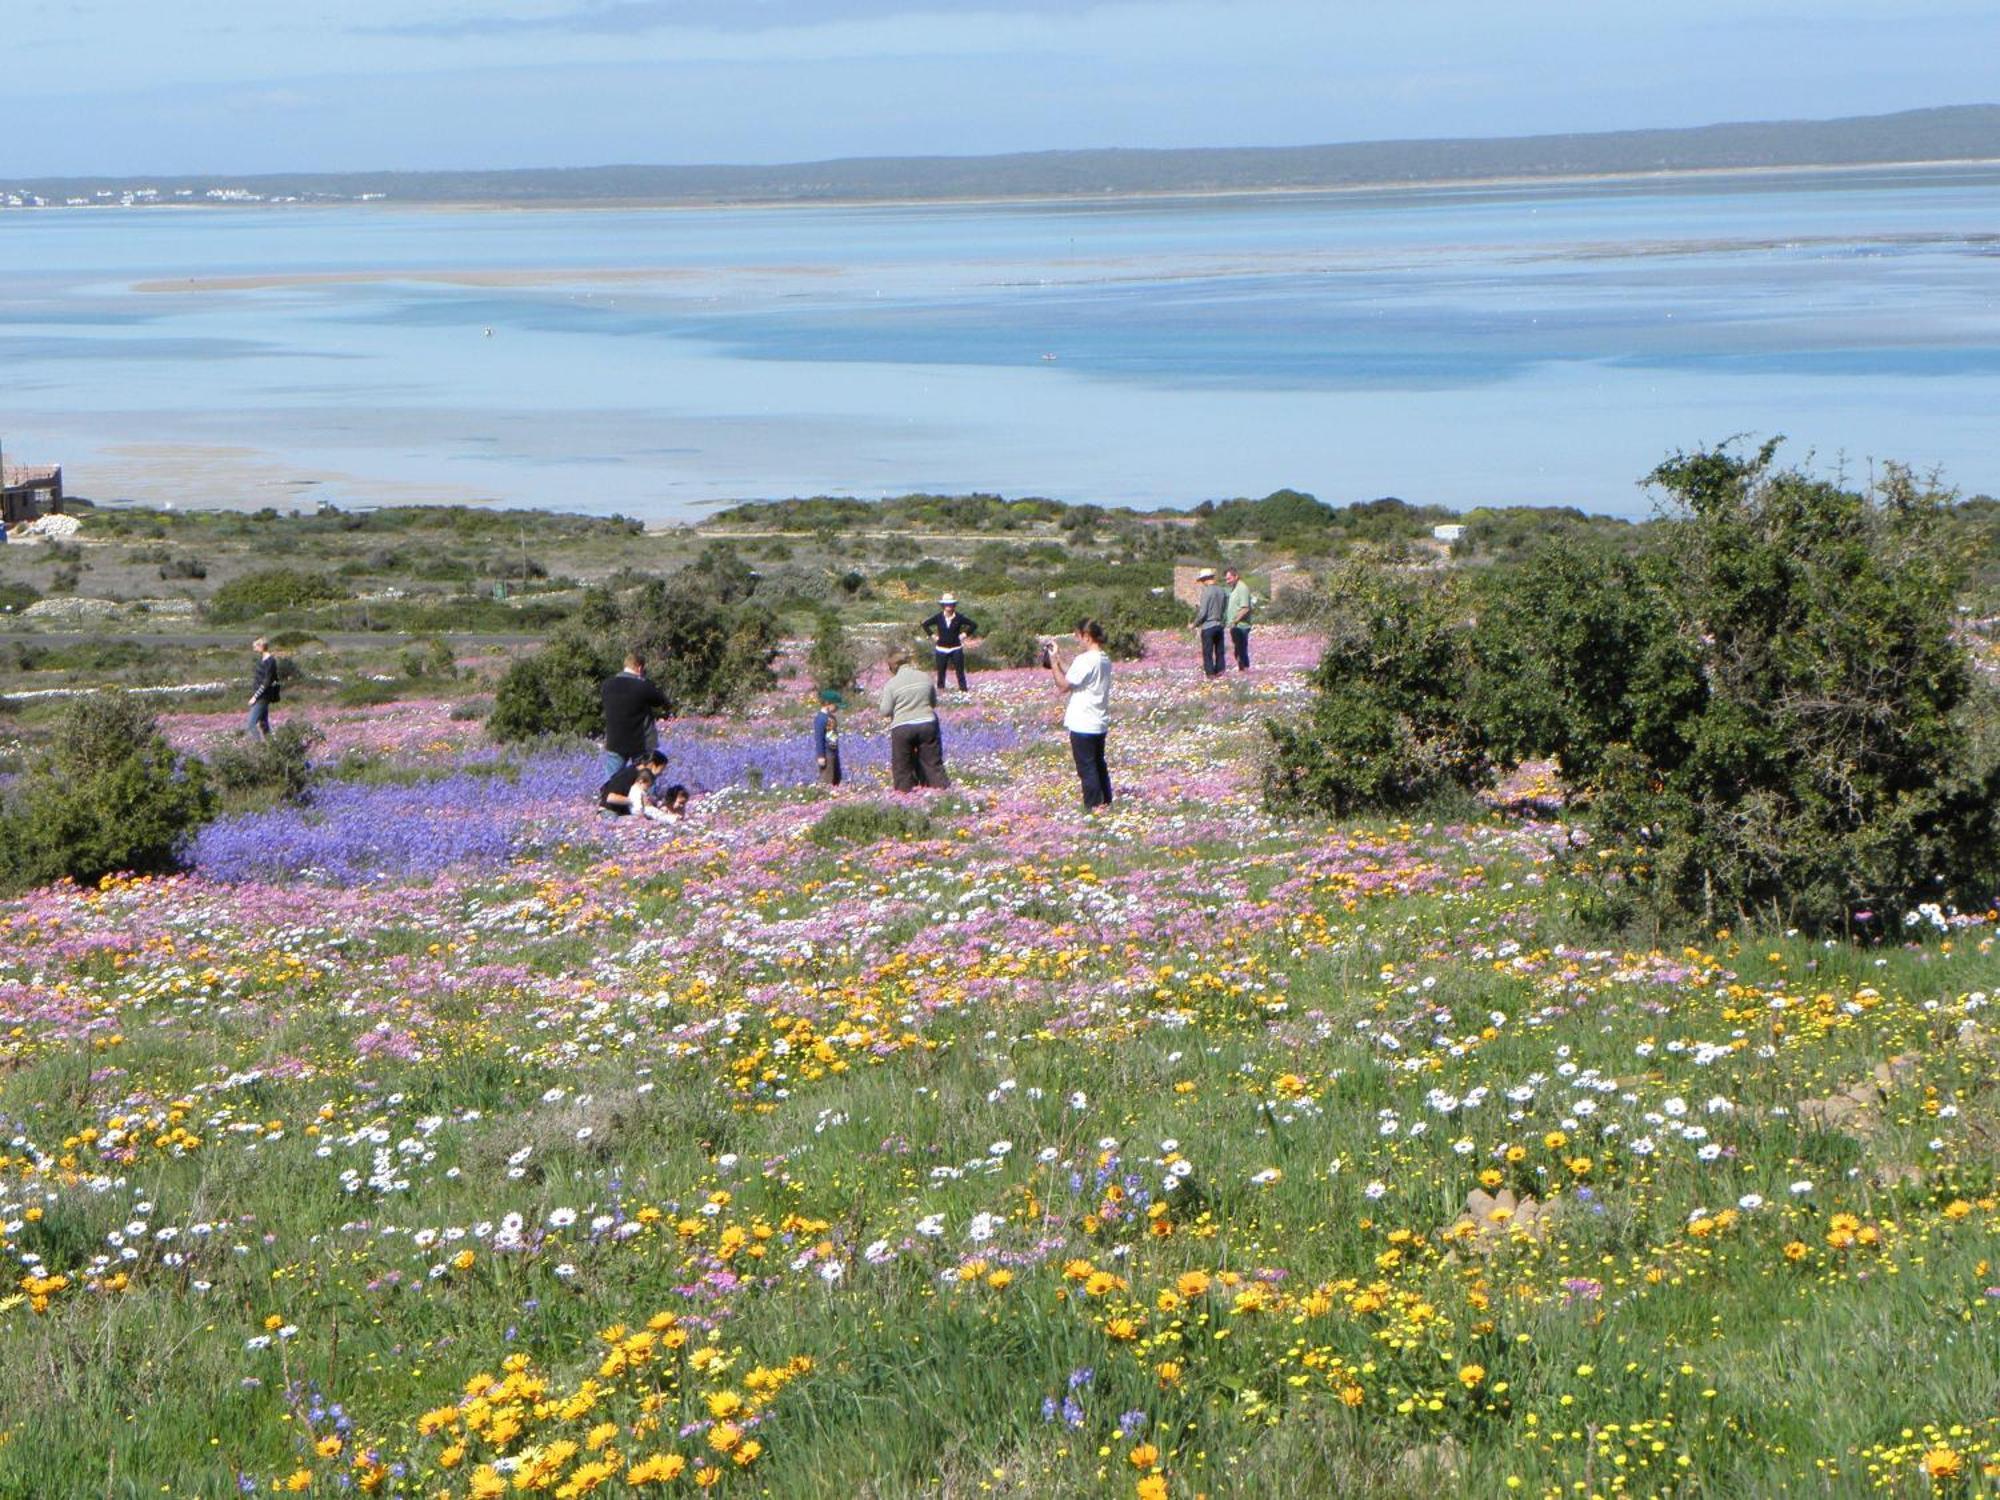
909,697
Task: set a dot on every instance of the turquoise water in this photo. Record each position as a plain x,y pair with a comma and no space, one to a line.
1461,347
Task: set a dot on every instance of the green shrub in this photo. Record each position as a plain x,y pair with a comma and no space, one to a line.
268,592
367,692
553,691
183,567
17,596
108,795
1814,744
1387,727
832,664
1765,716
277,766
429,658
859,823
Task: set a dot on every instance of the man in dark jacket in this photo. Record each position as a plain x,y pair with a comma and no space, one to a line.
263,689
631,705
950,633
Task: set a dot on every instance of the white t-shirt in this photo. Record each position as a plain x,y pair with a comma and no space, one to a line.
1089,709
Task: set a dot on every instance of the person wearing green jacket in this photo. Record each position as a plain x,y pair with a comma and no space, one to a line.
1241,607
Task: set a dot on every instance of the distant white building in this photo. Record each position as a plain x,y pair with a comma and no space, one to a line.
1450,532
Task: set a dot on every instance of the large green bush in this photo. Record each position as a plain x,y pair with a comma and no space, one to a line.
107,795
1387,728
832,663
706,643
269,591
553,691
1766,714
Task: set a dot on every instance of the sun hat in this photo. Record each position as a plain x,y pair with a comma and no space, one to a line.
831,697
948,599
1204,573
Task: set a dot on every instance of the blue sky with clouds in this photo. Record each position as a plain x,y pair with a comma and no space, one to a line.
134,86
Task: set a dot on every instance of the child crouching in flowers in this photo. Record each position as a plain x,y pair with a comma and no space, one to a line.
625,793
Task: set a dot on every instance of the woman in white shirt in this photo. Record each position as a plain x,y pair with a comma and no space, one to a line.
1087,715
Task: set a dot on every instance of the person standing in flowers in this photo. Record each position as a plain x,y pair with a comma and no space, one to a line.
1211,621
264,689
916,748
826,736
1241,606
632,705
951,633
1086,682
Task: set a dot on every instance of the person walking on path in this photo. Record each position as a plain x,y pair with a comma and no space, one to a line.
1241,607
916,749
950,633
264,690
631,705
826,736
1211,622
1086,682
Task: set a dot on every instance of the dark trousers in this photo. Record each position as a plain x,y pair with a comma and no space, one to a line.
830,772
948,661
1213,662
1088,752
916,757
1239,637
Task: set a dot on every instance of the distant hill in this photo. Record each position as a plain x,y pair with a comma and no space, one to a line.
1955,133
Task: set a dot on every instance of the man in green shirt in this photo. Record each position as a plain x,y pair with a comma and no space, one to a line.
1240,608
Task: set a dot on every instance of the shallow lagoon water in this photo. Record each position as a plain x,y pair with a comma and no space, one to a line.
1468,346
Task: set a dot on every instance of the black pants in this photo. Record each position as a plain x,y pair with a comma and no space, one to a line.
1088,752
1213,662
830,772
949,660
916,757
1239,637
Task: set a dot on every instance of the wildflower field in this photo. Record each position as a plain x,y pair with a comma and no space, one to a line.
441,1138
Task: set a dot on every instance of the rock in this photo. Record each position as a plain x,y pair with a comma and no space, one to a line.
1492,1221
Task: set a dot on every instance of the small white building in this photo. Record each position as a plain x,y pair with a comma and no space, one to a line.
1450,532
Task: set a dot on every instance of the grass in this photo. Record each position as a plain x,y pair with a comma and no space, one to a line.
884,1198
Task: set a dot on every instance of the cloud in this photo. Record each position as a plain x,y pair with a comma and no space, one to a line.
638,17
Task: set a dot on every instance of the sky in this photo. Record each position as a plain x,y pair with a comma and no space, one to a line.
123,87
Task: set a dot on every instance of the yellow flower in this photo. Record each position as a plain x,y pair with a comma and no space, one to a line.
1145,1456
1152,1487
1169,1371
1958,1208
1000,1280
599,1435
722,1404
747,1454
1192,1283
1796,1250
327,1447
1471,1376
724,1435
1943,1463
660,1468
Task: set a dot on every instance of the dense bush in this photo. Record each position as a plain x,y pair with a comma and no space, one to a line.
278,766
553,691
1766,714
705,641
107,795
268,592
832,664
1811,748
1387,728
16,596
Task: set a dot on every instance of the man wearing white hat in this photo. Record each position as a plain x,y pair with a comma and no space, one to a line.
950,633
1211,622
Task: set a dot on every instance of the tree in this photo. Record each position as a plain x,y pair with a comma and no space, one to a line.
832,663
109,795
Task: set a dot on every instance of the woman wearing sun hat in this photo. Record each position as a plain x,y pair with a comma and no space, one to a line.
950,633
